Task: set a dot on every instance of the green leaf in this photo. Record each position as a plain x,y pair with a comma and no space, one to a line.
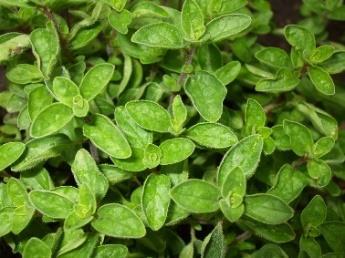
322,80
255,117
133,164
274,57
289,183
11,41
155,200
301,140
235,184
286,80
192,20
85,171
212,135
310,246
333,234
118,5
149,115
6,218
71,240
196,196
314,214
80,106
179,114
232,214
245,155
36,248
207,94
160,35
300,38
86,250
9,153
279,234
321,54
267,209
46,48
39,150
214,244
51,204
225,26
24,74
107,137
120,21
323,146
50,120
136,136
95,80
111,250
39,99
320,172
107,222
229,72
270,250
152,156
37,179
176,150
64,90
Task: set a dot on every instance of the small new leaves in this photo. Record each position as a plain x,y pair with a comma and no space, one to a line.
120,21
192,20
149,115
300,38
319,171
196,196
155,200
313,215
107,137
108,216
179,114
207,94
267,209
160,35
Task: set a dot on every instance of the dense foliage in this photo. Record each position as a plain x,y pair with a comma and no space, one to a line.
171,129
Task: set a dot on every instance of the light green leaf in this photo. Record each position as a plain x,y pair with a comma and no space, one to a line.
232,214
51,204
152,156
16,193
214,244
179,114
234,184
155,200
192,20
133,164
36,248
267,209
255,117
212,135
86,172
322,80
321,54
10,41
245,155
86,250
39,99
111,250
118,5
107,137
149,115
226,26
24,74
50,120
300,38
71,240
108,218
9,153
95,80
196,196
6,218
176,150
120,21
323,146
286,80
46,48
319,171
289,183
207,94
160,35
136,136
37,179
80,106
274,57
64,90
301,140
229,72
313,215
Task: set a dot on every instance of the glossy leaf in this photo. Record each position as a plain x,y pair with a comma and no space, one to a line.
108,216
207,94
196,196
107,137
155,200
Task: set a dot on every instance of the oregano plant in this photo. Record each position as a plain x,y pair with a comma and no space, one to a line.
179,128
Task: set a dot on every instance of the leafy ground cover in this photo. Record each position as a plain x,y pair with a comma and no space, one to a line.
174,128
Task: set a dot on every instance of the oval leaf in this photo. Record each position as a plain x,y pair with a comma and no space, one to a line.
176,150
9,153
